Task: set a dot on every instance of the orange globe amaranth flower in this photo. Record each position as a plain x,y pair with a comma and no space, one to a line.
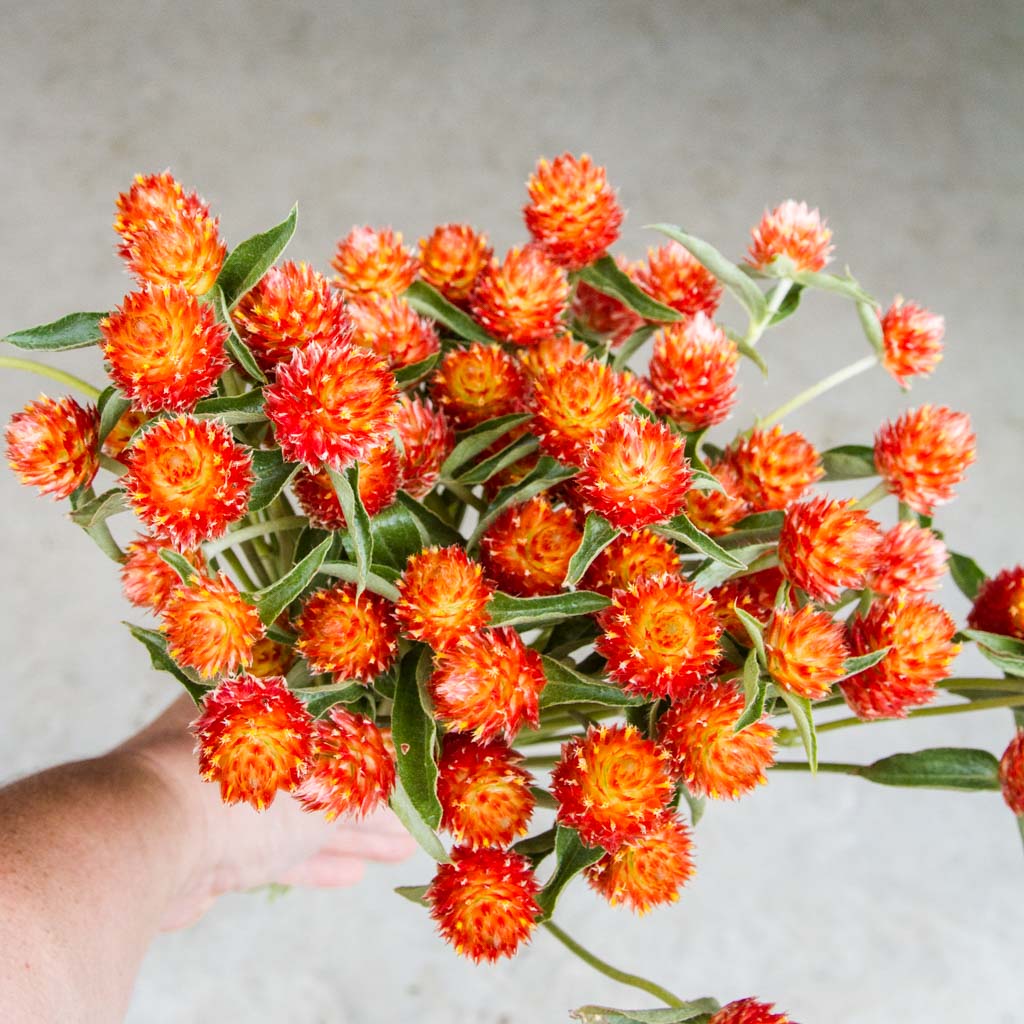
292,305
676,278
52,445
451,260
910,560
774,469
636,474
270,658
573,211
350,636
527,549
488,684
427,439
551,356
484,902
188,480
627,558
806,651
749,1011
478,383
605,315
164,348
444,596
755,594
827,545
919,635
254,737
151,198
522,300
999,604
693,372
611,786
712,759
911,339
209,626
389,326
795,231
331,405
636,387
485,796
1011,774
717,512
647,871
116,442
370,260
352,771
924,454
146,579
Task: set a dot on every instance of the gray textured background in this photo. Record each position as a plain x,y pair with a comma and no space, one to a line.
846,903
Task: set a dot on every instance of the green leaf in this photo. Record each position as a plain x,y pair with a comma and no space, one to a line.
598,533
112,406
320,699
346,486
156,644
693,1011
478,440
233,409
756,688
853,666
272,600
508,456
76,330
536,847
845,286
376,580
680,528
237,349
967,574
849,462
428,301
432,529
247,263
788,306
937,768
186,571
748,351
800,709
272,474
702,481
415,825
1004,652
697,804
568,686
571,857
631,345
100,508
413,893
756,633
415,733
712,574
530,612
872,326
406,376
606,277
395,536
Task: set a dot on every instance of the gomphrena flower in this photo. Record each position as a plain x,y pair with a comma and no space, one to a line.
611,786
151,198
476,384
165,348
352,771
551,355
604,315
754,593
806,651
911,339
919,635
352,637
660,636
331,404
676,278
270,658
209,627
627,558
636,387
1011,773
146,579
527,549
698,732
427,439
188,480
444,596
484,903
52,445
484,793
717,512
827,545
693,372
371,260
254,737
999,604
910,560
451,260
774,469
117,441
749,1011
522,299
389,326
792,230
647,871
573,211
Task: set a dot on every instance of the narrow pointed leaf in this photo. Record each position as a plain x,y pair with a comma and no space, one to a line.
568,686
853,666
800,708
478,440
872,326
156,644
531,612
237,349
186,571
395,536
414,893
849,462
428,301
756,633
706,482
937,768
508,456
696,1011
631,345
99,509
598,533
247,263
680,528
272,600
967,574
748,351
375,579
233,409
407,814
432,529
112,406
606,277
406,376
320,699
415,733
76,330
272,474
844,286
1004,652
346,486
756,688
789,305
571,857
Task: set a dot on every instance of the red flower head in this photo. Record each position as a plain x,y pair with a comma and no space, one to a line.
774,469
1011,774
368,260
483,902
676,278
755,594
919,635
521,300
910,560
352,772
488,683
716,512
912,340
254,737
603,314
444,596
712,759
749,1011
795,231
117,441
331,405
627,558
999,604
477,384
806,651
827,545
269,658
551,356
452,258
188,480
151,198
427,440
51,445
611,786
485,796
389,326
146,579
924,454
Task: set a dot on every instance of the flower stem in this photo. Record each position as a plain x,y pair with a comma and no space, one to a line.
815,390
775,299
31,366
874,496
112,465
838,767
255,530
465,495
984,704
235,562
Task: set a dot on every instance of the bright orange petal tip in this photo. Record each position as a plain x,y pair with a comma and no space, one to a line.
910,560
604,315
390,327
270,658
717,512
116,442
806,651
676,278
146,579
774,469
372,260
476,384
795,231
627,558
551,356
427,439
755,594
749,1011
451,259
999,604
911,339
1011,774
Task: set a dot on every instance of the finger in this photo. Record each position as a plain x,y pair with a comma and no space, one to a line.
325,870
370,845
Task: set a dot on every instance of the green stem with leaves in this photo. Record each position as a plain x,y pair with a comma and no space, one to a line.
985,704
42,370
775,299
816,390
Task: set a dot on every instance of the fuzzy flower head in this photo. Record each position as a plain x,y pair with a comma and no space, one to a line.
371,260
774,469
754,594
717,512
912,340
806,651
910,560
390,327
627,558
270,658
1011,774
676,278
476,384
427,439
749,1011
451,260
791,230
551,356
999,604
151,198
120,436
146,579
636,387
603,314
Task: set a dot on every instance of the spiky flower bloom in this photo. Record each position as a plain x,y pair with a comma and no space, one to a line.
827,545
254,737
151,198
484,903
710,757
693,372
477,384
660,636
370,260
924,454
484,793
522,299
793,230
755,594
551,355
611,786
647,871
999,604
636,387
637,474
676,278
270,658
209,626
919,635
488,683
627,558
188,480
806,651
427,440
51,445
351,636
444,596
116,442
451,260
603,314
389,326
910,560
146,579
1011,774
749,1011
352,772
717,512
331,404
165,348
527,549
774,469
292,305
912,340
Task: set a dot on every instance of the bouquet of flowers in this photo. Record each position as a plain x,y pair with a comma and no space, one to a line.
417,534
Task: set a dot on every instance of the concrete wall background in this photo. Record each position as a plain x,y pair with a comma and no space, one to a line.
848,904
